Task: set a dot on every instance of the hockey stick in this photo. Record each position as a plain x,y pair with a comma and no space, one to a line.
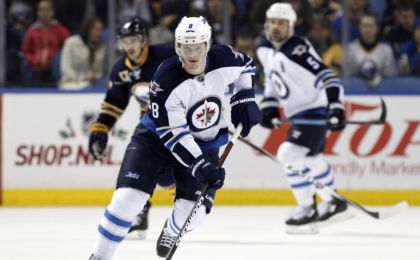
389,212
204,192
321,122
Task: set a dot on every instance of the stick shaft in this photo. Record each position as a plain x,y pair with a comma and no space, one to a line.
204,192
374,214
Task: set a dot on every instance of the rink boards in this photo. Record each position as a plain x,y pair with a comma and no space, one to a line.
44,158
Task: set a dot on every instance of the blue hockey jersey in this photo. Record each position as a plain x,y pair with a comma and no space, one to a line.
126,76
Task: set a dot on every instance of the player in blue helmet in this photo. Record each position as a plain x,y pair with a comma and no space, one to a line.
130,76
183,129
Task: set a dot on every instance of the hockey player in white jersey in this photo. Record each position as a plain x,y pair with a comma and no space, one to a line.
182,129
297,79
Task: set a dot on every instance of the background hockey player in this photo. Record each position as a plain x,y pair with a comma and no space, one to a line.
130,75
296,77
183,129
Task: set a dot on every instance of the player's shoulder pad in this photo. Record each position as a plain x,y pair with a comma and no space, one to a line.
167,77
226,56
263,42
295,46
119,65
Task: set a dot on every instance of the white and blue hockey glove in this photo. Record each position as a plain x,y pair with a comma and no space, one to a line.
206,172
244,110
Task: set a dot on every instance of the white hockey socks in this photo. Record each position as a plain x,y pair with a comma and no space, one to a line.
292,157
125,205
321,171
179,215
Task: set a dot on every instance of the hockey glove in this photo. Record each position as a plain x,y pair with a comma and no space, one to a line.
335,116
244,110
97,140
270,112
206,172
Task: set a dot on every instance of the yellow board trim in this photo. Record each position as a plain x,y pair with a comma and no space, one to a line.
241,197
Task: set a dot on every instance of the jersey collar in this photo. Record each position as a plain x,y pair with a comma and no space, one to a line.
142,61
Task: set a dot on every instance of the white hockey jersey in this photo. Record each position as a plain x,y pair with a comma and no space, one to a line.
296,75
186,110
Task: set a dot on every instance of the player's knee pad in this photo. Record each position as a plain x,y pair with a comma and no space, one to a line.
180,213
128,202
292,156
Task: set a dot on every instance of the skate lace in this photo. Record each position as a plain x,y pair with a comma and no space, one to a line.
168,240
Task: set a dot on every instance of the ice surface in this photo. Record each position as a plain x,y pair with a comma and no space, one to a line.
240,233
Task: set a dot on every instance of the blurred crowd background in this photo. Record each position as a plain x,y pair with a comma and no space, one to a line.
72,44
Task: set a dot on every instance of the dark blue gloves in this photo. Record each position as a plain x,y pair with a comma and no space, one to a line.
244,110
97,141
270,112
335,117
206,172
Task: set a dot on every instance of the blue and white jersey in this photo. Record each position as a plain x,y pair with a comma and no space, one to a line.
186,110
296,76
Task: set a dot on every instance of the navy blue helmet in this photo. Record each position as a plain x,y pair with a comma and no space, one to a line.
133,27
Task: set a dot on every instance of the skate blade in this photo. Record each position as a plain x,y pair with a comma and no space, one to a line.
137,235
307,229
338,218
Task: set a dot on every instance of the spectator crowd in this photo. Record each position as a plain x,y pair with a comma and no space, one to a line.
64,44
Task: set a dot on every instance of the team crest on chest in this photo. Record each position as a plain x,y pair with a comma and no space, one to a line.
279,84
204,114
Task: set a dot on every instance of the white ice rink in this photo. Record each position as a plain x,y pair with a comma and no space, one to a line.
240,233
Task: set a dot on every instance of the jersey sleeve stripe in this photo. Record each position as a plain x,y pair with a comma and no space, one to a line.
252,71
170,143
106,105
165,138
163,129
332,83
180,153
323,75
110,113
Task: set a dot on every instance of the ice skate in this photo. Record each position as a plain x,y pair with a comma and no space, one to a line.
140,224
302,220
165,242
331,212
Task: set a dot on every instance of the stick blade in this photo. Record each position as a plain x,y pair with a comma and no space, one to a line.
384,112
394,210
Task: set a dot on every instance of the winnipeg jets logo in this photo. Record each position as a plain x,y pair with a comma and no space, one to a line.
154,88
279,84
204,114
299,50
